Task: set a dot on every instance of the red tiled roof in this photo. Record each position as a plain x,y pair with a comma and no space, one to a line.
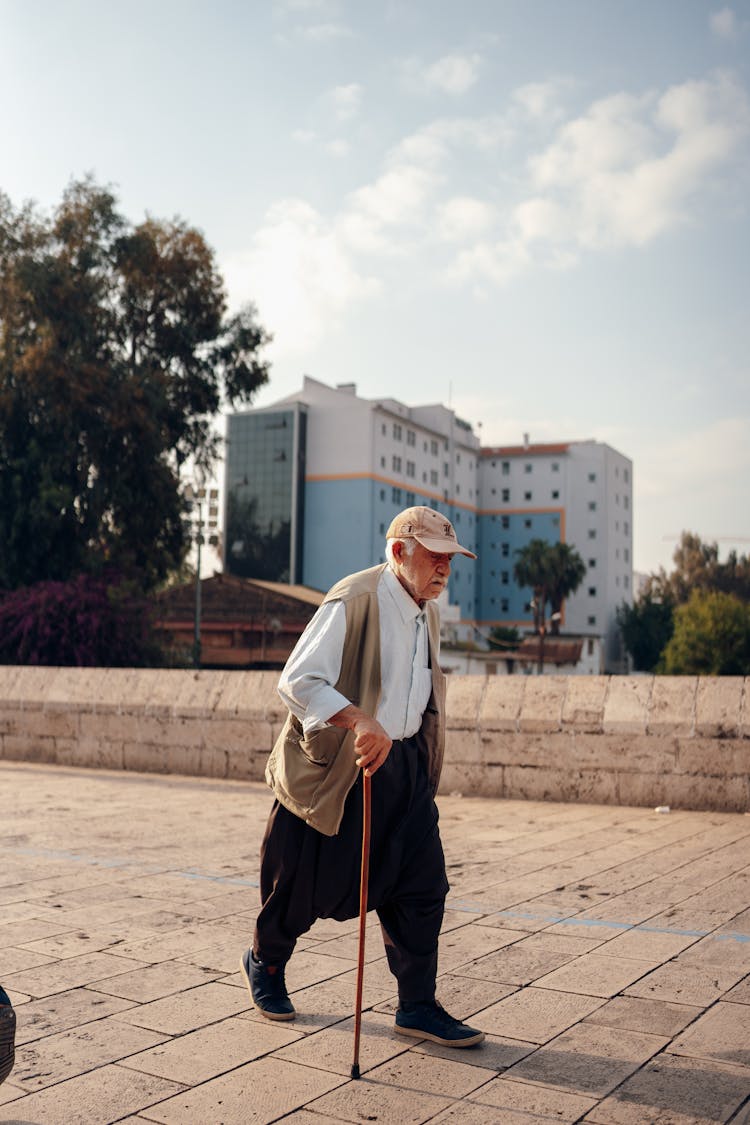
524,450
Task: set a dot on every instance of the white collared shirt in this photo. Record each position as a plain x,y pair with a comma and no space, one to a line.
307,682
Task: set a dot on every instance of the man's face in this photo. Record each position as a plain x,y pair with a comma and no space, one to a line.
423,574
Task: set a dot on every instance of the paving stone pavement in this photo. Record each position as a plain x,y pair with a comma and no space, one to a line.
605,951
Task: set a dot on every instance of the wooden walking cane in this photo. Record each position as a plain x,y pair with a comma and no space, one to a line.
363,882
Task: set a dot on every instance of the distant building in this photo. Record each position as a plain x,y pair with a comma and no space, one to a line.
244,623
578,492
313,482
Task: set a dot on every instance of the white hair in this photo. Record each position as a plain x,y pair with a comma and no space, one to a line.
408,545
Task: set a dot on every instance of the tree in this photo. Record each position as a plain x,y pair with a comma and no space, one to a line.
116,354
553,571
711,636
568,570
646,626
697,567
86,622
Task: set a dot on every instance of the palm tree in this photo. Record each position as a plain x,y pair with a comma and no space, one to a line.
534,568
568,569
553,571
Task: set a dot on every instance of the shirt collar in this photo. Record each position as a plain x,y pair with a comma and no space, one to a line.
405,604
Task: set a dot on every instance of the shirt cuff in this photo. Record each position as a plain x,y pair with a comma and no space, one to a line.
327,702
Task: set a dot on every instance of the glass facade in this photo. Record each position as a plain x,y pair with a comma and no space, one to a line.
265,494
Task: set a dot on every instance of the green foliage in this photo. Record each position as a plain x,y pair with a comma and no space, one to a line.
553,571
697,567
503,636
646,626
711,636
116,354
652,620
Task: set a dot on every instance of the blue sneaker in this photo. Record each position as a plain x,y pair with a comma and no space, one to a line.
267,988
431,1021
7,1035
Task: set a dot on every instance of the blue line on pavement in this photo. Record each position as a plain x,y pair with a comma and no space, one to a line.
461,905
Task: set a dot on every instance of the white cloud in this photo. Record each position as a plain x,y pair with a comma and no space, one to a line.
301,275
338,148
463,217
346,100
453,74
325,32
723,23
540,100
624,172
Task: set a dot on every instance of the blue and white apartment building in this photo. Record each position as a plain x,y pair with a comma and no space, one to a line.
313,482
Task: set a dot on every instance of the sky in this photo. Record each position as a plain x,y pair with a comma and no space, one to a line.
533,211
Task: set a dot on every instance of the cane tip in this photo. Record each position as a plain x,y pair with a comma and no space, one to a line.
355,1070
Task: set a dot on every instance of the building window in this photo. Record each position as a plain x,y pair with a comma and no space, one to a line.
382,494
396,495
503,605
382,428
410,468
592,533
382,529
626,554
505,522
458,458
555,521
591,621
555,466
424,477
505,550
396,464
555,494
382,462
590,646
592,505
410,500
434,448
626,582
626,528
458,489
504,578
592,563
528,467
505,467
506,494
527,523
446,469
411,437
397,431
626,502
617,552
626,475
527,495
592,591
592,477
433,476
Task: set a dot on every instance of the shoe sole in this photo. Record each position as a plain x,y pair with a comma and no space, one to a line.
263,1012
472,1041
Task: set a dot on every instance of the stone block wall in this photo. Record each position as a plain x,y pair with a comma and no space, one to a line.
641,740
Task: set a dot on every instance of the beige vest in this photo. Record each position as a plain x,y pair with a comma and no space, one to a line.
311,774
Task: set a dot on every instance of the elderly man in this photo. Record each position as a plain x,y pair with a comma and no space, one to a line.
365,692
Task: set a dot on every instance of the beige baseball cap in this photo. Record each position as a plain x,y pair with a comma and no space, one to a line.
430,528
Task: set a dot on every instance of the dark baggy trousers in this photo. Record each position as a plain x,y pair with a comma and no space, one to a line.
306,875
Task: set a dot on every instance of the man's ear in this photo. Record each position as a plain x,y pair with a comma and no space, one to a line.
398,550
